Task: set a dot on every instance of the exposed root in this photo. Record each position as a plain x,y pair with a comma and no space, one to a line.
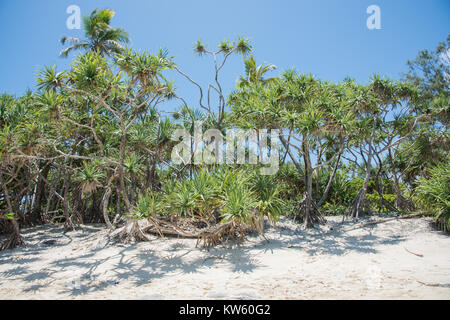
131,232
69,225
210,236
404,204
359,207
315,215
221,233
15,239
13,242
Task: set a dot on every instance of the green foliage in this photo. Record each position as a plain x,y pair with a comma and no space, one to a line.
290,181
241,195
241,46
434,194
147,205
182,199
48,79
90,176
268,198
334,209
238,202
9,215
97,135
99,35
255,74
90,70
374,200
429,71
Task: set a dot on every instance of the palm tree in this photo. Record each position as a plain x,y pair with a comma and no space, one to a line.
255,74
100,36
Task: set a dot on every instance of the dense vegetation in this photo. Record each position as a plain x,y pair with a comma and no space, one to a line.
93,144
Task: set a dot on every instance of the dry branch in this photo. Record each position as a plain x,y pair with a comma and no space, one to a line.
416,254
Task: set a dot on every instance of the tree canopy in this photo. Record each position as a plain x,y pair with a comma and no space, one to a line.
94,144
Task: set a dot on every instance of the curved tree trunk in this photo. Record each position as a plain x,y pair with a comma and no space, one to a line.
36,210
362,194
330,181
105,202
308,205
15,239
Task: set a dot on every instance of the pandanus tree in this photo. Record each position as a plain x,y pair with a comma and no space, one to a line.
386,113
430,71
100,36
224,50
19,133
429,146
92,142
99,109
307,112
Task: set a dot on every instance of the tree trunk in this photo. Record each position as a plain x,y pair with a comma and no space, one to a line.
307,219
330,181
15,239
36,210
105,202
294,160
362,195
68,224
77,211
400,202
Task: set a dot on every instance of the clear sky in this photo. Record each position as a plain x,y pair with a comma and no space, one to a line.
328,38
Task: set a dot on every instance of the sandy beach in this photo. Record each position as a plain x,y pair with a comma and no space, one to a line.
401,259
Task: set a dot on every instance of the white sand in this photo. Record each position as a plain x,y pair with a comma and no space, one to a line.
367,263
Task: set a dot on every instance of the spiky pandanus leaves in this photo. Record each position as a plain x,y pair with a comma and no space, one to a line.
206,189
90,71
434,192
182,199
90,177
241,46
238,204
146,69
147,205
49,80
269,203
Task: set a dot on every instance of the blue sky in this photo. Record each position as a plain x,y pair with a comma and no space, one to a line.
327,38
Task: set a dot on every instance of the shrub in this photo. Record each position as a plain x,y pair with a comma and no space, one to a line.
374,200
330,209
434,194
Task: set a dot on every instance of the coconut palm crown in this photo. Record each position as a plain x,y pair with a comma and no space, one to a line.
100,36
